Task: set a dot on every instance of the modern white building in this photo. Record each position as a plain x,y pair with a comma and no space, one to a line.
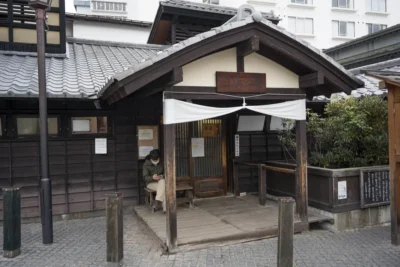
140,10
323,23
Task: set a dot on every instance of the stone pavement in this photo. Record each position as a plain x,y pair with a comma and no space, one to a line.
82,243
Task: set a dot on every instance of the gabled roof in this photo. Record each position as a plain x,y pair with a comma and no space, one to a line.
164,61
203,15
86,69
217,9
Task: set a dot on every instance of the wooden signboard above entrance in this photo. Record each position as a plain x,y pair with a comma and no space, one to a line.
241,82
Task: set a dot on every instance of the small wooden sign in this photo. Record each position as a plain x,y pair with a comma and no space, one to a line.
210,130
241,82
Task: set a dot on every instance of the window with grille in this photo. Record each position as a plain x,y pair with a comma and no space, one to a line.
375,27
343,29
343,3
109,6
376,6
303,2
301,25
213,2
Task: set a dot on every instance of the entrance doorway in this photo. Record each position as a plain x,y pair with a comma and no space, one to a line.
201,156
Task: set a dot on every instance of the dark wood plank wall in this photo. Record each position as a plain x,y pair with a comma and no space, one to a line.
80,178
256,147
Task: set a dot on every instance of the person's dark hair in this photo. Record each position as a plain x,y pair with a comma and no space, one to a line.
154,154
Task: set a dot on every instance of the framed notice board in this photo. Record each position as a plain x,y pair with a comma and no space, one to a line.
147,139
374,185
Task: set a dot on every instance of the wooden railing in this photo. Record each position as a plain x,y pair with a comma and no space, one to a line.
262,181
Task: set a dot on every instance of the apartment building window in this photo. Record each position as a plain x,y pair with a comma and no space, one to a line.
109,6
213,2
376,6
343,4
375,27
304,2
343,28
301,25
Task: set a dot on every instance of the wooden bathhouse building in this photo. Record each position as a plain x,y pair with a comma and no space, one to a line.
208,92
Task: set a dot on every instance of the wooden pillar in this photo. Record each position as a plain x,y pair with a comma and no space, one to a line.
11,222
285,232
262,185
301,171
115,227
394,163
170,186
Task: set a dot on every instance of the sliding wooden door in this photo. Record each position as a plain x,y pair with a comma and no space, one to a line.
205,172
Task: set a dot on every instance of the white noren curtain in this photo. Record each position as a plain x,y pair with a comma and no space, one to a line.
176,111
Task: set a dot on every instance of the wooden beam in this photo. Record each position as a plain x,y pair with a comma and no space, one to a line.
239,63
170,190
194,96
245,48
301,171
249,46
394,166
262,185
171,78
311,80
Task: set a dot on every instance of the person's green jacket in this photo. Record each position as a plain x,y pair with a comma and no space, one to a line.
149,170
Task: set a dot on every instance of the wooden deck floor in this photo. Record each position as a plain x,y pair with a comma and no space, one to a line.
221,219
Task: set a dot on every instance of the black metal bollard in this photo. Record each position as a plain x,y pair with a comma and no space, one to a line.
114,217
11,222
286,231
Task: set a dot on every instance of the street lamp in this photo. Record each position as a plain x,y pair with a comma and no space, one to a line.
46,214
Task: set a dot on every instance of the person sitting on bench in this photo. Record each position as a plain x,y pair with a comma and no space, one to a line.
153,175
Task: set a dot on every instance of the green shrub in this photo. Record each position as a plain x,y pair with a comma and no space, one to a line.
352,133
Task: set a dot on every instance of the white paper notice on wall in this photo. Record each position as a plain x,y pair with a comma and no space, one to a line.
100,145
342,190
197,147
237,146
146,134
144,151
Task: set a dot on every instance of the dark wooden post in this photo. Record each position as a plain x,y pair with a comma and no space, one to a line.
286,231
11,222
170,190
301,171
236,178
114,217
394,164
262,185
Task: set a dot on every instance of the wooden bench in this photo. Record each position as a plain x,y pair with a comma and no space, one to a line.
149,197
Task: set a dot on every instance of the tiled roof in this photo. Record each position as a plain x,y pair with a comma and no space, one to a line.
109,19
226,27
371,84
82,73
209,8
91,67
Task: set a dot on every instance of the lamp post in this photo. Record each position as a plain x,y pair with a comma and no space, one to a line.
40,7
